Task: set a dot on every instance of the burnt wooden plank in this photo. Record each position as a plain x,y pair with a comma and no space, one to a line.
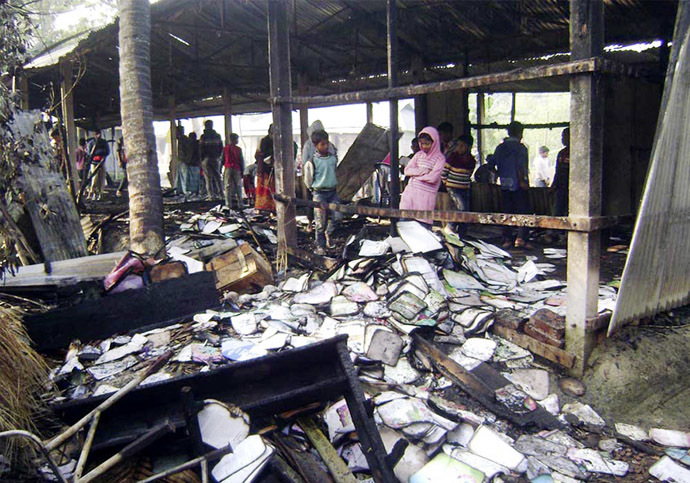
263,386
156,305
578,224
359,163
481,384
554,354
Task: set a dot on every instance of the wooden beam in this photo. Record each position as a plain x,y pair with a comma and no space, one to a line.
480,124
370,112
227,112
172,171
554,354
579,224
481,384
581,66
283,148
62,273
586,153
303,109
157,305
67,96
339,470
24,90
392,25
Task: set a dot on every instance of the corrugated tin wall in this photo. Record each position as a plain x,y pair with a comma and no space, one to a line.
657,272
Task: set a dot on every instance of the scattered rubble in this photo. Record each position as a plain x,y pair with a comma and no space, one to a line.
424,315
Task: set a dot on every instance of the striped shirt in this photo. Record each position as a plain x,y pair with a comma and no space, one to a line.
459,167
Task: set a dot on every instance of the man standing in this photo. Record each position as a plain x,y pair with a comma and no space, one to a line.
211,146
232,174
541,169
510,160
98,150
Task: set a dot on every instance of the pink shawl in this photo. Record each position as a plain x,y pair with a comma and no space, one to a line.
424,169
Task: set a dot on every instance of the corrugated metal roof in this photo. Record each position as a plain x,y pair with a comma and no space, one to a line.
335,45
656,272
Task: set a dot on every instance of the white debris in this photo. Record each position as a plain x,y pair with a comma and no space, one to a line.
668,437
488,444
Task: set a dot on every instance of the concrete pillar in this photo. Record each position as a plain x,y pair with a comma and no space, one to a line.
586,148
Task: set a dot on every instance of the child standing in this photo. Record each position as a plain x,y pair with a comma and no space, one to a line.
424,174
456,177
319,176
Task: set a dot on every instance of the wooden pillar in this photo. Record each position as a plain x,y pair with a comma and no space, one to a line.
70,142
586,148
24,91
512,107
283,149
481,114
227,113
303,110
370,112
392,23
172,115
420,104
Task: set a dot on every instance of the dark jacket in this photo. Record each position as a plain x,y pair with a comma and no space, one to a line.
210,144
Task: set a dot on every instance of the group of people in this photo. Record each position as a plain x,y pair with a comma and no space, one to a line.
444,161
90,157
210,169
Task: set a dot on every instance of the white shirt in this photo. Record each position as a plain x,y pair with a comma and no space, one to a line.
541,171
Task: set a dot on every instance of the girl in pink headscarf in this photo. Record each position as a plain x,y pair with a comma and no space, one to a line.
424,173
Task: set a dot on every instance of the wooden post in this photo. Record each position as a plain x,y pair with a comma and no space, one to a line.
283,149
227,113
370,112
172,171
67,97
586,149
24,89
480,123
303,110
392,22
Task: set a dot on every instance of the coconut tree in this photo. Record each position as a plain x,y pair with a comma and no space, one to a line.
136,108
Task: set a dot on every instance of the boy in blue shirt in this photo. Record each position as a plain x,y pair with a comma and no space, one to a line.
319,177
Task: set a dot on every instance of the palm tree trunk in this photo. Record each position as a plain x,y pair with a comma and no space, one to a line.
136,108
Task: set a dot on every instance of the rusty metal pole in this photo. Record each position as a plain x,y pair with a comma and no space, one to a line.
392,22
283,149
586,151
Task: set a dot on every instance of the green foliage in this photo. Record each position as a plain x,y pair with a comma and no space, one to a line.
57,20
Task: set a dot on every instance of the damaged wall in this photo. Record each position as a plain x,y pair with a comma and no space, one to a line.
631,111
448,106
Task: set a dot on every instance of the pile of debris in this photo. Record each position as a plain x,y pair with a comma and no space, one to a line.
423,317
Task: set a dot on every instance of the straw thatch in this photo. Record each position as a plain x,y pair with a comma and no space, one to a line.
23,379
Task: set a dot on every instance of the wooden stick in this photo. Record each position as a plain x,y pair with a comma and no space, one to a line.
146,440
213,455
339,470
87,447
61,438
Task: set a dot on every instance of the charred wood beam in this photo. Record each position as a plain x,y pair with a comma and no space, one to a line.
481,384
575,224
157,305
583,66
283,149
